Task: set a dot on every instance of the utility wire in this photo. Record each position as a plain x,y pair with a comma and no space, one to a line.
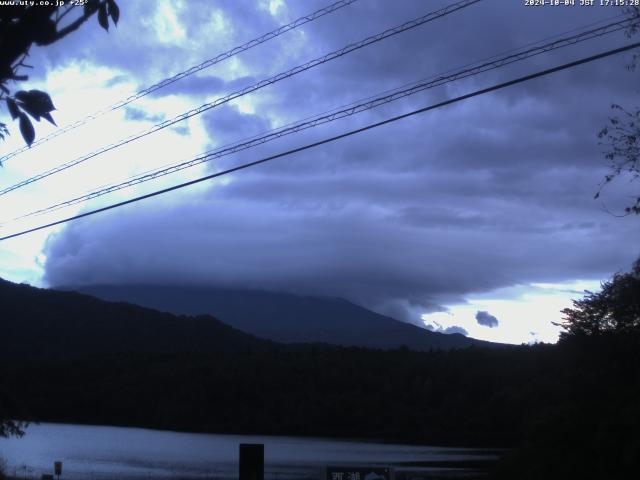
476,93
352,109
607,20
252,88
190,71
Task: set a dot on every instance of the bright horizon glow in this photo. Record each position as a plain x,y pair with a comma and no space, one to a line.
525,312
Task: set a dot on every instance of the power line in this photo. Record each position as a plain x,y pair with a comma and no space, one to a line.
252,88
552,37
337,137
190,71
336,114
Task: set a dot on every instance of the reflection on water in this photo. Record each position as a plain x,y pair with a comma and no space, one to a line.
92,452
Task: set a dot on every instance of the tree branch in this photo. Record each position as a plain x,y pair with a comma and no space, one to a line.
69,8
72,27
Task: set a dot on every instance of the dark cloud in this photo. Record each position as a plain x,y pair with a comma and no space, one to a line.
227,124
197,85
447,330
492,192
486,319
456,329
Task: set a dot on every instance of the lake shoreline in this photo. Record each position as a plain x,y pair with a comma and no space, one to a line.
106,452
447,441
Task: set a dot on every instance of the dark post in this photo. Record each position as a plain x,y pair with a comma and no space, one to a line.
251,461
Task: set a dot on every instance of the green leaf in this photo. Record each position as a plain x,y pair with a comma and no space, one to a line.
14,111
90,7
41,100
114,11
21,95
46,32
26,129
47,116
35,102
31,111
4,131
103,17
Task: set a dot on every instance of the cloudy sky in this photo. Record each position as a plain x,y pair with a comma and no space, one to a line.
478,217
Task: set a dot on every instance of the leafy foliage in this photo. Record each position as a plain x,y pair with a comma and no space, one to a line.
11,428
571,410
24,25
587,427
616,308
633,29
21,26
621,136
34,102
3,469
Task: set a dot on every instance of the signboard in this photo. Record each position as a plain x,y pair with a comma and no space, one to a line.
251,461
346,472
57,468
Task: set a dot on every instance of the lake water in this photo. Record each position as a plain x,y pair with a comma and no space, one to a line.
98,453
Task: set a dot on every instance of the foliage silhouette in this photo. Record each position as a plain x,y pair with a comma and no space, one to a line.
571,410
21,26
621,136
615,308
588,427
42,25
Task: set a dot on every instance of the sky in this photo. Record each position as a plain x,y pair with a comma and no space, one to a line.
476,218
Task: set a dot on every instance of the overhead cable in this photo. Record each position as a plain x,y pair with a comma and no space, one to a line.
252,88
331,116
190,71
476,93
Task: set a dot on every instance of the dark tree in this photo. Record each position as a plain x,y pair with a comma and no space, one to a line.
9,428
20,28
621,136
616,308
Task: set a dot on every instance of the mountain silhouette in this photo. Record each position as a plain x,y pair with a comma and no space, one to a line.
286,318
41,323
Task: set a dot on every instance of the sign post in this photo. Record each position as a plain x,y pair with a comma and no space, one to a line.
347,472
57,469
251,461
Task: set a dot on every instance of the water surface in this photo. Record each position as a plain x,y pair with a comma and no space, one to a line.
97,452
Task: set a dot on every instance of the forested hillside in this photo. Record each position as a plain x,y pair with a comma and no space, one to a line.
286,318
570,409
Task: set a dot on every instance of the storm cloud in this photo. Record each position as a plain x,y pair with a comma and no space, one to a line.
406,219
486,319
447,330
